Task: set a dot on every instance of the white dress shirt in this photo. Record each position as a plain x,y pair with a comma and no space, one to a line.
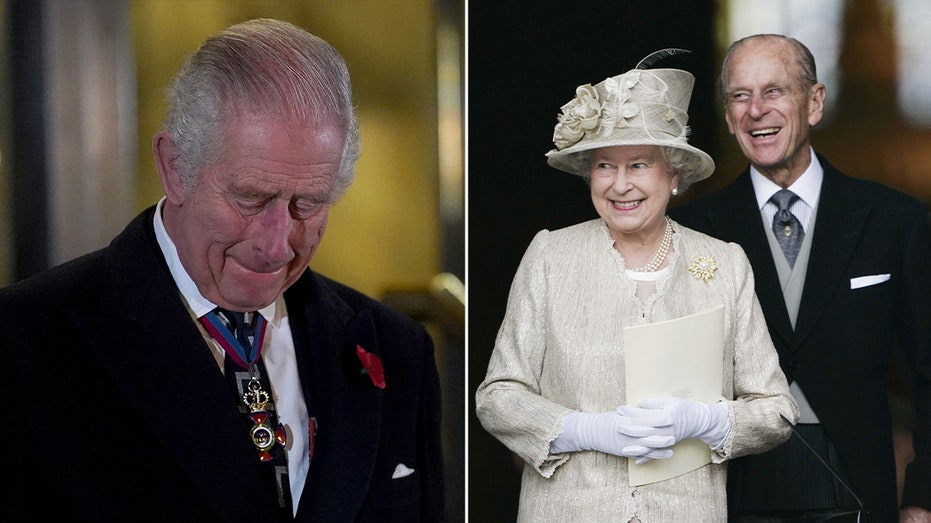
807,187
277,353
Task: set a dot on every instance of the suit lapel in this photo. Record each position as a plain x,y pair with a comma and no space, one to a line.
148,342
840,222
730,224
345,402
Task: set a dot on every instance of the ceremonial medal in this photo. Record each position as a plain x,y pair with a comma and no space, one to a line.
244,349
263,435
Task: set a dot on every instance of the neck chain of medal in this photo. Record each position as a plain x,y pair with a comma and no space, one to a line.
660,255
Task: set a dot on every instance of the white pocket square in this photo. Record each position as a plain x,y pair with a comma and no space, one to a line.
402,471
866,281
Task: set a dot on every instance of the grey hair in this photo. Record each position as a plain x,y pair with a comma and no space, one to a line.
266,67
678,161
681,162
807,72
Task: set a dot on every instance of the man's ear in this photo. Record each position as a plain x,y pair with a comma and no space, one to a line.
816,104
166,161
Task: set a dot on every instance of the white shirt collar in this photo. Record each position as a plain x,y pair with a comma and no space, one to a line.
195,300
807,187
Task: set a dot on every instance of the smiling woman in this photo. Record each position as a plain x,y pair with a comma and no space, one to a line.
555,390
631,186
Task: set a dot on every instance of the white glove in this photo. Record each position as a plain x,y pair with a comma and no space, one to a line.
682,419
612,433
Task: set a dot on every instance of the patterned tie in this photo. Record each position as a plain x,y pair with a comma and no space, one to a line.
240,379
786,227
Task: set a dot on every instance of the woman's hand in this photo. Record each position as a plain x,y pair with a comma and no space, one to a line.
612,433
681,419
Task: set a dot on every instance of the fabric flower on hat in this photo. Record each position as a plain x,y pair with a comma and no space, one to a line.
619,106
640,107
581,114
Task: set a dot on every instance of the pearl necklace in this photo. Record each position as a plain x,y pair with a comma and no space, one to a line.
660,255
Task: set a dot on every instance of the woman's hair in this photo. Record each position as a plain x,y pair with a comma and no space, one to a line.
678,161
265,67
682,163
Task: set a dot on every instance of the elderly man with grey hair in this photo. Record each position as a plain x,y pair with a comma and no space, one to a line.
196,369
843,272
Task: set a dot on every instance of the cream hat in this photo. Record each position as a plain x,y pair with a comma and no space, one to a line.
639,107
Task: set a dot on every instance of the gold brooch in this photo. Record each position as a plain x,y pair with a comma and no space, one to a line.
703,268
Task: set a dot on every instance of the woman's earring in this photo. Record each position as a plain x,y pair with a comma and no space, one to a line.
675,191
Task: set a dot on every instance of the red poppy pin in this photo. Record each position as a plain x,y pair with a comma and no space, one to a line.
371,365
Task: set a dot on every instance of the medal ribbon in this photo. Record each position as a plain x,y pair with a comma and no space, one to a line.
267,433
242,356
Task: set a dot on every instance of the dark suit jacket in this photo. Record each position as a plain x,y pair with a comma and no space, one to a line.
117,411
844,339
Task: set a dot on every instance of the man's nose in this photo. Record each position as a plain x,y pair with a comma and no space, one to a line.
758,106
274,232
